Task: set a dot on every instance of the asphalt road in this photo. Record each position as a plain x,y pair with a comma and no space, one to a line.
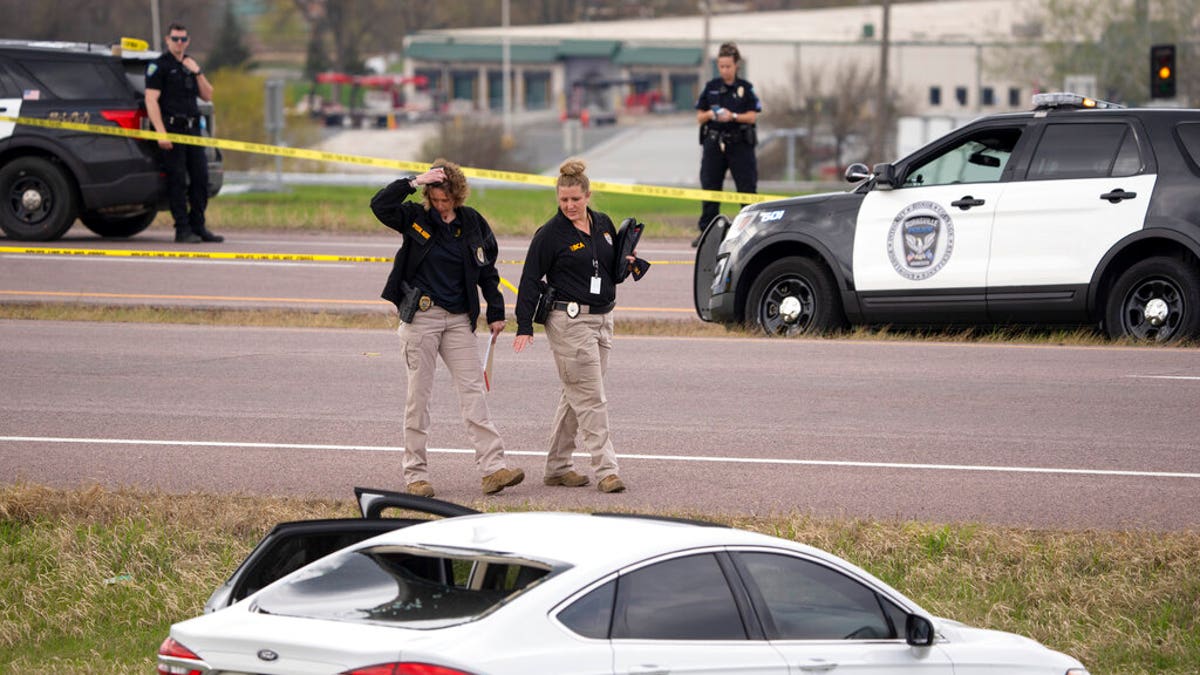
1058,437
664,294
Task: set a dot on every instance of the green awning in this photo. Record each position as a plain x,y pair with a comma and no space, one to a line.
601,49
474,52
658,56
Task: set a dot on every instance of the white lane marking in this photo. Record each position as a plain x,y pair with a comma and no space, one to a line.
665,458
1165,377
192,261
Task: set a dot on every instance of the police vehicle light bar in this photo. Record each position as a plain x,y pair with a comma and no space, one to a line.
1068,100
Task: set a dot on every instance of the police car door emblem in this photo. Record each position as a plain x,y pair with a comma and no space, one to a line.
920,240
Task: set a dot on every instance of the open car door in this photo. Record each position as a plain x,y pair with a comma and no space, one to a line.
706,260
290,546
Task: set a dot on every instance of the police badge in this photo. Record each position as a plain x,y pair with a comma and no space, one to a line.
572,309
425,303
920,240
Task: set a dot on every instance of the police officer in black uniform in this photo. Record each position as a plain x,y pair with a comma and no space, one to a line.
173,81
727,111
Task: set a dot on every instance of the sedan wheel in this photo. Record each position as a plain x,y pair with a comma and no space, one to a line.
1156,300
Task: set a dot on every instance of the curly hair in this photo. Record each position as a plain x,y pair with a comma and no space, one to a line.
730,49
571,173
455,184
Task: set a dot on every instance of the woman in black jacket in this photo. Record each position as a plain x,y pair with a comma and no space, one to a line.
574,252
448,251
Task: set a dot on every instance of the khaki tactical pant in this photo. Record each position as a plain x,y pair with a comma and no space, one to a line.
432,332
581,346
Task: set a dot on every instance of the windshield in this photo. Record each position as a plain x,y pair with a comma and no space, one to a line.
412,587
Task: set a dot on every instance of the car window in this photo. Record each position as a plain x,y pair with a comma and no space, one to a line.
392,585
1084,151
591,615
977,158
680,599
808,601
1189,137
76,79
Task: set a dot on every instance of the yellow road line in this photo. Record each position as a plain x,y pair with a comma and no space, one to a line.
232,255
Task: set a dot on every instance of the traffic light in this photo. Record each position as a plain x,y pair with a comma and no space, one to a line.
1162,71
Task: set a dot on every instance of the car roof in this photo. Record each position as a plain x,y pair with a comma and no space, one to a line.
578,539
59,47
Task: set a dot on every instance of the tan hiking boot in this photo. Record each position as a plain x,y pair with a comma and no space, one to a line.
497,481
611,484
568,479
420,488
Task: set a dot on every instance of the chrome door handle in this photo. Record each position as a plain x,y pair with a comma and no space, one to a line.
649,669
1117,195
817,666
967,202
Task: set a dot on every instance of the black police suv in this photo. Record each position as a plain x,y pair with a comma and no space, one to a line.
1079,212
50,177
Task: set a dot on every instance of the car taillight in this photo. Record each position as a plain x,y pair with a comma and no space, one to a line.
126,119
173,659
405,669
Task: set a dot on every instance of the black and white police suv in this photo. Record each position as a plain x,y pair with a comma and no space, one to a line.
1079,212
51,177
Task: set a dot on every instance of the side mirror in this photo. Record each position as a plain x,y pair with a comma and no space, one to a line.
857,171
918,631
885,175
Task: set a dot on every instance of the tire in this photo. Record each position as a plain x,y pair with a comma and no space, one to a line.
1155,300
118,226
37,200
795,296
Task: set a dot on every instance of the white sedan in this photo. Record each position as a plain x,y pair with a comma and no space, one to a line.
558,593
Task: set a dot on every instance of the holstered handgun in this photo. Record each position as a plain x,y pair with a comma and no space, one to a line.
408,306
544,303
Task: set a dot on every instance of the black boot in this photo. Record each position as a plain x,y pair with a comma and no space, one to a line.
206,235
186,237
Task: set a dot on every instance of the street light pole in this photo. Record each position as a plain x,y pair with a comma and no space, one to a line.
506,58
156,28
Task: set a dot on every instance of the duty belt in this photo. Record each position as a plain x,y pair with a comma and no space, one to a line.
183,121
574,309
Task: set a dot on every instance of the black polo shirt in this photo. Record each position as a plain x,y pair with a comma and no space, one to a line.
441,273
564,256
177,85
738,97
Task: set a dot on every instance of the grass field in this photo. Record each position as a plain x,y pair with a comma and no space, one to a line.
510,212
91,579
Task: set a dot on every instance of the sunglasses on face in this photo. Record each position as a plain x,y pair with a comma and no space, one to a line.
179,38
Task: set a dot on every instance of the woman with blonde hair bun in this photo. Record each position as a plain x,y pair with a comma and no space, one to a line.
573,252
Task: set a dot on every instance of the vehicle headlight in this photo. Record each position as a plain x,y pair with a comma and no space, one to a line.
741,224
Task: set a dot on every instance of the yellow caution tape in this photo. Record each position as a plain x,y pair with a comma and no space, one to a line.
322,156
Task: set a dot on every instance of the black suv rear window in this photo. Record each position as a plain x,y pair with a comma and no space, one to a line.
75,79
1189,138
1085,151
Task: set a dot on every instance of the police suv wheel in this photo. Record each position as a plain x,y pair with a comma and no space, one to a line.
39,200
794,296
1156,300
117,226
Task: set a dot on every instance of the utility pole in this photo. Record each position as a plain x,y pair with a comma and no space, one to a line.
883,104
156,29
506,59
705,67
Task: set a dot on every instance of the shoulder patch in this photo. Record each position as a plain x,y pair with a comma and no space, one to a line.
152,68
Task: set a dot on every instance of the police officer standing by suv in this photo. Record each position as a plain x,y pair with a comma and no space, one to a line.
727,111
173,81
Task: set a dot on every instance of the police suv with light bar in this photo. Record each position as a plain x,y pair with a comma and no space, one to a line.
50,177
1079,212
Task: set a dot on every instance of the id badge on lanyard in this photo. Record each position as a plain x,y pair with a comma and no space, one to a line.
595,288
